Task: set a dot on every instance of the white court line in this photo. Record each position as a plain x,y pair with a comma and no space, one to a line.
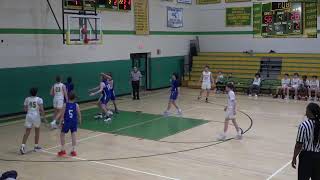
120,167
279,170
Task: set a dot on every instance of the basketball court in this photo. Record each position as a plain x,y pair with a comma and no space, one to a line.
142,144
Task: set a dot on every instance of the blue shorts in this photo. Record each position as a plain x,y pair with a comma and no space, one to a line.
70,126
112,96
173,95
104,100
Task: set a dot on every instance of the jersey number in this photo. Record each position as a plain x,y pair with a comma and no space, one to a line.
70,113
58,89
32,104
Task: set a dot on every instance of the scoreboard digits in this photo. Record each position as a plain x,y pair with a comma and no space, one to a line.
125,5
282,19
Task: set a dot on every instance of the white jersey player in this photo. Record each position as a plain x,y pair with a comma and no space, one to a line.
33,105
295,83
313,86
230,110
206,79
59,93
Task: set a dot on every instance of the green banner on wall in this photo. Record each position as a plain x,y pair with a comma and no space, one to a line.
238,16
310,19
208,1
257,19
235,1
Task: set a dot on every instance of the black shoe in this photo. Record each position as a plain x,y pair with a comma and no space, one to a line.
134,98
138,98
207,100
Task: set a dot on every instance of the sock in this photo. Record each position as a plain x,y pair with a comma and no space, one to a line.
54,122
36,145
62,148
73,148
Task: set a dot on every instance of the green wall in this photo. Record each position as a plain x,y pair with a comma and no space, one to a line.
17,81
162,68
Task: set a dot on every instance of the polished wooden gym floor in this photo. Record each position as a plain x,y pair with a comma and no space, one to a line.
140,144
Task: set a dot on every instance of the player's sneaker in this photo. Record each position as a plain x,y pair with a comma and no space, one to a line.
179,112
222,137
73,153
62,153
239,135
22,150
250,95
98,116
207,100
256,96
199,97
107,120
166,114
53,125
37,149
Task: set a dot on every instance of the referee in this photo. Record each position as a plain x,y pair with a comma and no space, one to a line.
135,81
308,145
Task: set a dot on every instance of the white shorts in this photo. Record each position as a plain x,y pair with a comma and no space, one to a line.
295,86
206,86
230,114
32,120
58,103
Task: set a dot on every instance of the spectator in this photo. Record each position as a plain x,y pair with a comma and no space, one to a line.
255,86
303,87
220,82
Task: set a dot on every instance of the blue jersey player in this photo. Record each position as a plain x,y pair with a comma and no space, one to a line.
174,93
104,98
111,92
72,116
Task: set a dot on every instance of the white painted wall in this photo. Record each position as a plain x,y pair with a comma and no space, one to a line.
21,50
213,19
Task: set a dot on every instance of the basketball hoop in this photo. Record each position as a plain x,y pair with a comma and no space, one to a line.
84,32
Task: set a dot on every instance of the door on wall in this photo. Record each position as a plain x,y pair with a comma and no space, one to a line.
142,61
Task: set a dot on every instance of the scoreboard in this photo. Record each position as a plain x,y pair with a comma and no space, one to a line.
283,19
124,5
114,4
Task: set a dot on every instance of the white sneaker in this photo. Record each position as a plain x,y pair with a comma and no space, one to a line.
256,96
108,120
22,150
222,137
180,112
166,113
98,116
37,149
250,95
53,125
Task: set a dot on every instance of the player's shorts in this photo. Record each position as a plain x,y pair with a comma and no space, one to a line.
70,126
230,114
112,96
104,100
296,86
58,103
173,95
32,120
206,86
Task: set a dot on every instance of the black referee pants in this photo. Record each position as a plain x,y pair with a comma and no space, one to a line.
309,166
135,89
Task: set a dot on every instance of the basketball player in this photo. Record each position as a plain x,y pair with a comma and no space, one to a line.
295,82
283,89
104,98
313,86
111,93
33,105
72,116
59,93
206,79
174,95
230,110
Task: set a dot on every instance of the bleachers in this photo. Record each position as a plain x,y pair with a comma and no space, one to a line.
243,66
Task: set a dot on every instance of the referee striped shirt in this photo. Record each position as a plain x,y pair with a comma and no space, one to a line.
305,136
